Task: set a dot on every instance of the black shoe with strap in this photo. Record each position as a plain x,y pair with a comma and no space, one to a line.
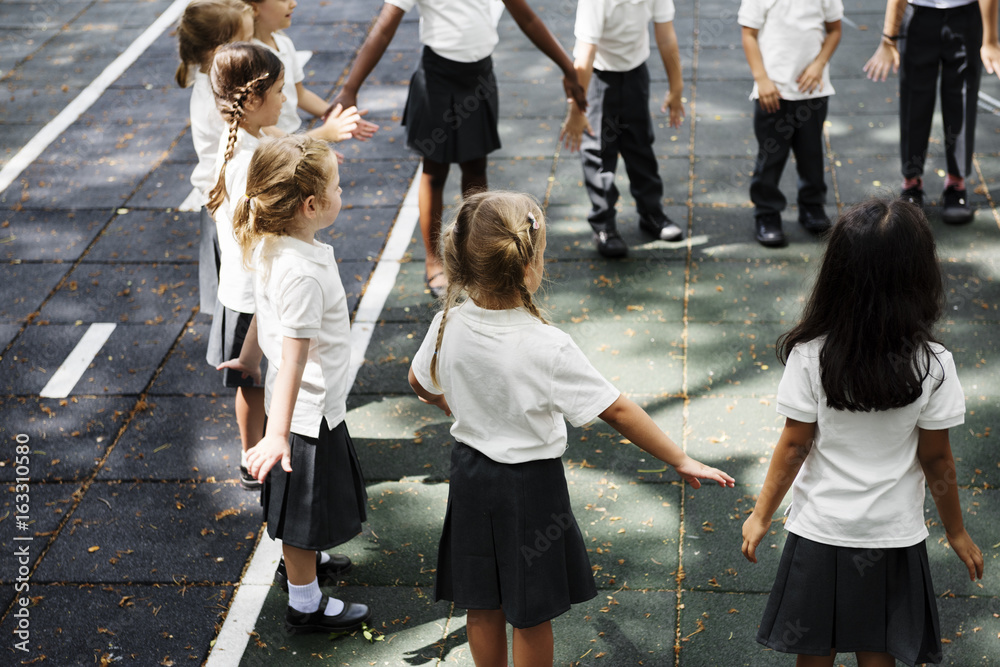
955,207
914,195
610,244
350,619
327,572
768,230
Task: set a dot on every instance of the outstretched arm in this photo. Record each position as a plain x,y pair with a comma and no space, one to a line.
666,42
539,34
632,421
371,52
794,444
886,56
990,51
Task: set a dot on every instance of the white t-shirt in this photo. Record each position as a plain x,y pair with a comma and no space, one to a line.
235,282
791,36
298,294
941,4
620,29
207,125
460,30
289,120
509,380
861,485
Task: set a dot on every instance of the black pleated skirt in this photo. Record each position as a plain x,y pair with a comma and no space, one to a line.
452,109
829,598
510,540
322,503
225,340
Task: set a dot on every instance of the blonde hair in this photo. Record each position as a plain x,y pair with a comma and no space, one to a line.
283,173
240,72
205,26
488,248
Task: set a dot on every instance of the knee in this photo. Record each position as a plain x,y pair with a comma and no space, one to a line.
474,168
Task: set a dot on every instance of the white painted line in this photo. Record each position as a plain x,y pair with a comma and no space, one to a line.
249,599
72,369
989,98
88,96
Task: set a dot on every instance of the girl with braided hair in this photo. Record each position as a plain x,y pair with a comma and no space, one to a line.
246,81
511,551
315,499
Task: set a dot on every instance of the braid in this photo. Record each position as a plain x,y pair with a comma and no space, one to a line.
218,193
451,298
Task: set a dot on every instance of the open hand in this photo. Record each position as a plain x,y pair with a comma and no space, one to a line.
262,456
811,78
970,554
344,100
990,53
340,123
754,530
693,472
885,58
573,128
673,103
365,129
245,370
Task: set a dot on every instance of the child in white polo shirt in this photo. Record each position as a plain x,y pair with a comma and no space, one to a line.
612,41
788,45
315,500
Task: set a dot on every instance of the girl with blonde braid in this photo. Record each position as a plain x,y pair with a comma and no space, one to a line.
511,378
315,499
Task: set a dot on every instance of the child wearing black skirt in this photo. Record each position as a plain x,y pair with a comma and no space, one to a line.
452,109
868,396
512,380
315,500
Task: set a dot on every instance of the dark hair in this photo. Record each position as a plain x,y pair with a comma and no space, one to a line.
240,72
876,299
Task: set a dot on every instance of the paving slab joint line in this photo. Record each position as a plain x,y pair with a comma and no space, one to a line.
6,75
233,637
986,190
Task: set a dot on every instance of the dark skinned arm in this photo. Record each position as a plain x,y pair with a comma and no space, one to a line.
371,52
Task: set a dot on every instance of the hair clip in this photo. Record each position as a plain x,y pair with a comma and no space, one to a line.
532,220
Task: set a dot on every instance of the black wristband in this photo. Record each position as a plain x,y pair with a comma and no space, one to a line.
891,38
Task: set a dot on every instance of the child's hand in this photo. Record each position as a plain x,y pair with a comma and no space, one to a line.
575,92
340,123
754,530
886,57
365,129
573,128
439,401
811,78
340,157
673,102
246,369
770,98
990,53
344,100
262,456
970,554
693,472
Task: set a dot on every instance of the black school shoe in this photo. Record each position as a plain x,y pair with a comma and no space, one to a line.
814,219
769,232
350,619
248,481
610,244
327,572
955,207
665,229
914,195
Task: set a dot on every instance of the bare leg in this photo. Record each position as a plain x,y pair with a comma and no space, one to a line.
533,646
250,415
473,176
869,659
816,660
300,564
430,200
487,631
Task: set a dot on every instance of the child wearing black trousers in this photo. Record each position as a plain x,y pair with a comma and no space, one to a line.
612,43
788,45
452,109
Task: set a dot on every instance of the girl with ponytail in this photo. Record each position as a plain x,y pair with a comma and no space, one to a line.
511,380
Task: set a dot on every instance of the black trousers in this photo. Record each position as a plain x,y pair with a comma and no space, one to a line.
618,111
798,127
931,40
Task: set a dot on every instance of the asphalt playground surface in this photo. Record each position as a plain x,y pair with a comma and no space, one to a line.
137,533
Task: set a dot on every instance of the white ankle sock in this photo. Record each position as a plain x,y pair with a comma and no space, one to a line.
324,558
306,598
333,607
243,458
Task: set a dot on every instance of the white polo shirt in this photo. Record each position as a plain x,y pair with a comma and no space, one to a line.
289,121
207,125
298,293
791,35
510,380
861,485
235,282
620,29
460,30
